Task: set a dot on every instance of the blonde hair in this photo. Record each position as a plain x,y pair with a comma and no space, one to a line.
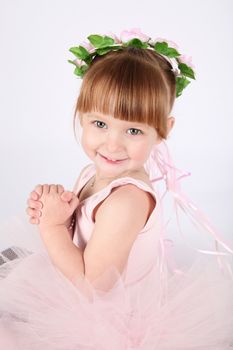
131,84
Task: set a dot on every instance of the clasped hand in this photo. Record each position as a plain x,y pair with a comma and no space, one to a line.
50,205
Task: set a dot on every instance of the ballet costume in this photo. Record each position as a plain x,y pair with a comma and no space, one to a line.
152,305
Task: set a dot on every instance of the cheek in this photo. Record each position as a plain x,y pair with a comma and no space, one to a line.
89,140
141,152
85,141
86,138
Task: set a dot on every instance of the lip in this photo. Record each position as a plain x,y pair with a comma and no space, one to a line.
111,161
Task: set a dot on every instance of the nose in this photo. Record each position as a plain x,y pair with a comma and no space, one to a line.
114,142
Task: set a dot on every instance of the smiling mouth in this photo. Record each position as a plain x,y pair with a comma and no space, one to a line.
112,160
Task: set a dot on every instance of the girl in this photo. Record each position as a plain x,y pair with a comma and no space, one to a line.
102,280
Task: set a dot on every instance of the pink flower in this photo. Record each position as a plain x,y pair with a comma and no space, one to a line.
78,62
113,36
169,42
126,36
187,60
88,46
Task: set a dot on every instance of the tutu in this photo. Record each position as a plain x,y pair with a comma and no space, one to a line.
150,306
41,309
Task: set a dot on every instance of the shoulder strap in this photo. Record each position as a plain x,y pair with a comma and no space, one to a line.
105,192
84,173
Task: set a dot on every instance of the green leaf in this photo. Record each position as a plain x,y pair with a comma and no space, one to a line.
181,83
95,40
137,43
171,52
163,49
72,62
103,51
99,41
89,59
186,70
80,71
84,68
80,52
108,41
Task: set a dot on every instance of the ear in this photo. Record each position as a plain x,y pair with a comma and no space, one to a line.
170,124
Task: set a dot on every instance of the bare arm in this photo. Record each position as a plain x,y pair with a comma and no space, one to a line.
65,255
116,229
111,241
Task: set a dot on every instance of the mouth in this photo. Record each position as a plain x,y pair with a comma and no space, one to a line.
112,161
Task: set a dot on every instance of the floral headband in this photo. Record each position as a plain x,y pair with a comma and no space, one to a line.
100,45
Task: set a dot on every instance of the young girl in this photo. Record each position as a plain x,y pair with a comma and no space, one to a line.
103,280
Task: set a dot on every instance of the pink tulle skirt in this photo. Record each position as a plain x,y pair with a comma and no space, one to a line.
41,309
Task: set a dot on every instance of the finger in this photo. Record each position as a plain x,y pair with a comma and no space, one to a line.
34,221
74,203
45,189
34,204
66,196
39,190
60,189
53,189
33,213
34,195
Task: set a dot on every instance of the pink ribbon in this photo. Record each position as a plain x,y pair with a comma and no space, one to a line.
160,160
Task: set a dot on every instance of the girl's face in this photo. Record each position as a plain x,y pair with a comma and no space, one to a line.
116,146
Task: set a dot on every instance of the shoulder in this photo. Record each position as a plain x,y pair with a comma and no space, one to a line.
127,202
119,220
129,193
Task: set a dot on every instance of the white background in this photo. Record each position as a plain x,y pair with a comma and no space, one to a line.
38,93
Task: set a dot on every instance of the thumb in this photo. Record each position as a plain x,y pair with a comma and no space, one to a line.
66,196
74,202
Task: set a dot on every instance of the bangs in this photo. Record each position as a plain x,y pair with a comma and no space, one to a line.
127,86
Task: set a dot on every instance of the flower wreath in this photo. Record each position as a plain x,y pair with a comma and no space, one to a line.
102,44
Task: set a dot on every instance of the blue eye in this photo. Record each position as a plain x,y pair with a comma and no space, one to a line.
137,130
98,121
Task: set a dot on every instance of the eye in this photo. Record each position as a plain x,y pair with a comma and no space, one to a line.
138,132
98,122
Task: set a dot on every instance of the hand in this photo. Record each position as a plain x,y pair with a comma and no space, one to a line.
34,209
55,211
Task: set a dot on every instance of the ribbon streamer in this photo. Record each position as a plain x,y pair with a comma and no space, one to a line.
160,161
